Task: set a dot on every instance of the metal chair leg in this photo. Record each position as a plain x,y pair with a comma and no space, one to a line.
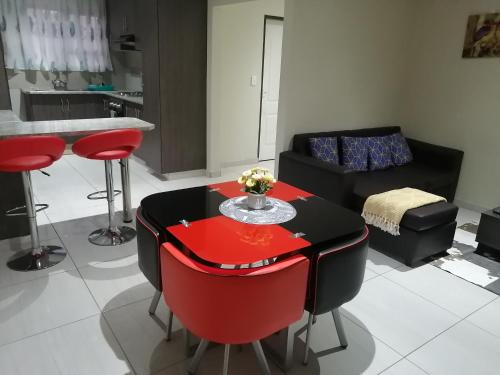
40,257
308,338
112,235
225,370
169,326
127,201
193,367
154,303
261,358
340,328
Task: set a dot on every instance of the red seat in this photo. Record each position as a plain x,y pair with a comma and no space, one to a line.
29,153
109,145
233,306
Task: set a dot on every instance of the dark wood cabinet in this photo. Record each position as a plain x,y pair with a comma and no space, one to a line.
4,83
133,110
43,107
173,38
121,19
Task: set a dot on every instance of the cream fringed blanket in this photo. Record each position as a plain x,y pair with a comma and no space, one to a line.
386,210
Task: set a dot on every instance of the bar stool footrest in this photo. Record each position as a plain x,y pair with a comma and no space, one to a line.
102,194
21,210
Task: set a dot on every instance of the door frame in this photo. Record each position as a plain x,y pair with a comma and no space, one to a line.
266,18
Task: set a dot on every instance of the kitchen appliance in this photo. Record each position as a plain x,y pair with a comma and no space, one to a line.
133,94
116,108
59,84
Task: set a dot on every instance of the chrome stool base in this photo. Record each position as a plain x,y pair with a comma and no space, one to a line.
110,237
27,261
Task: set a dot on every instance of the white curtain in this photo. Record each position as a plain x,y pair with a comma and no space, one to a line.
55,35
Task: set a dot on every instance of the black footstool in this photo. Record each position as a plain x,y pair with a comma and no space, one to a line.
424,231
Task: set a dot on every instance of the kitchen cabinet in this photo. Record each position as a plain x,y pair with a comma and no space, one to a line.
121,19
4,83
173,39
43,107
133,110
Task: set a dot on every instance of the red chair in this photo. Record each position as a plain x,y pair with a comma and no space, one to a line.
108,146
233,306
26,154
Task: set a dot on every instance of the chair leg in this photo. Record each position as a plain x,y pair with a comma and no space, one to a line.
289,349
308,338
154,303
193,367
169,326
113,235
261,358
225,370
40,257
340,328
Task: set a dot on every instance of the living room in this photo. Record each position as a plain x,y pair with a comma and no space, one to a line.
318,260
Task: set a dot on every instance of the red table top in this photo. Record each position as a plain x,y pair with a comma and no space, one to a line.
285,192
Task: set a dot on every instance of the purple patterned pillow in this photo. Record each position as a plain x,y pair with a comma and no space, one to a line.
401,153
355,153
325,148
379,152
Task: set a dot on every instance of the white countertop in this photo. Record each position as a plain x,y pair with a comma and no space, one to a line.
8,116
64,128
112,94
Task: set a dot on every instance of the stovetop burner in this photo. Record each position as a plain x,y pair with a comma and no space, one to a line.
135,94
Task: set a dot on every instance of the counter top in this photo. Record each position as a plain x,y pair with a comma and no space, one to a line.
70,127
112,94
8,116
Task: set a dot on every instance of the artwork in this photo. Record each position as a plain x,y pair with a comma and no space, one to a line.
482,38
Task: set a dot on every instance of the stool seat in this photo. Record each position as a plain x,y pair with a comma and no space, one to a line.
26,163
109,145
23,154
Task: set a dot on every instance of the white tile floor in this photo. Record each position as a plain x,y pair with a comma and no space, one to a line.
89,315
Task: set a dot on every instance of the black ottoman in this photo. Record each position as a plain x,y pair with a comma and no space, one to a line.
424,231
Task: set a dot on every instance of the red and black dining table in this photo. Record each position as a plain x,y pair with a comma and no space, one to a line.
191,219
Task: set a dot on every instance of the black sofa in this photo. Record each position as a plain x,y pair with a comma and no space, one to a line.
435,169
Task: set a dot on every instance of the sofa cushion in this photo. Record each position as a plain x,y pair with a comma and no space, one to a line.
355,151
379,152
401,153
415,175
429,216
325,148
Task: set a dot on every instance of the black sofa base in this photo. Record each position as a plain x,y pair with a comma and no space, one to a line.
412,247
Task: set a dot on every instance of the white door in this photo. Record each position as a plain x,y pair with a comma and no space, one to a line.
271,70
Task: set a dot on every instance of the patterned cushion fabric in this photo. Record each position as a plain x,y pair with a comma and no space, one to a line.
401,153
325,148
355,153
379,152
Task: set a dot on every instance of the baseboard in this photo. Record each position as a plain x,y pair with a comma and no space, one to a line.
470,206
185,174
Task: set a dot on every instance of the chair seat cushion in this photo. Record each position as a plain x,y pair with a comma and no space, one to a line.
430,216
26,163
110,155
414,175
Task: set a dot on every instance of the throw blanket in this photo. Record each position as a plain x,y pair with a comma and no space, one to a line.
386,210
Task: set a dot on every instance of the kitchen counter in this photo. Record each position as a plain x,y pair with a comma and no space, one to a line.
70,127
8,116
111,94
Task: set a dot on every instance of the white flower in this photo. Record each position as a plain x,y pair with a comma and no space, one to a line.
241,180
247,173
268,177
250,183
257,177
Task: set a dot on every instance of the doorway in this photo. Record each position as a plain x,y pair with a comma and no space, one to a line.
270,88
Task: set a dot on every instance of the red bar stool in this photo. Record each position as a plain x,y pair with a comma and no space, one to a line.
26,154
108,146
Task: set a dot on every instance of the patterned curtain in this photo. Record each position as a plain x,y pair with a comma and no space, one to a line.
55,35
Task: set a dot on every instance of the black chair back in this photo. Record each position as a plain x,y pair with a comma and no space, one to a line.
337,275
148,249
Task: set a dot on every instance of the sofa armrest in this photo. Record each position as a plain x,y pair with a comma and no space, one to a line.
332,182
446,159
437,156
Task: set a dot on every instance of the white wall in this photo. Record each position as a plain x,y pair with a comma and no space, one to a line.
454,101
343,65
235,42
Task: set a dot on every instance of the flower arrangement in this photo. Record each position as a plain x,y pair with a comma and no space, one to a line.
257,180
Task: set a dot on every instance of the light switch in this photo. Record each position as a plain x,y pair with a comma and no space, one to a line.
253,81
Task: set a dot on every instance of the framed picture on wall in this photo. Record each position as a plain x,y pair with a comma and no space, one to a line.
482,38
